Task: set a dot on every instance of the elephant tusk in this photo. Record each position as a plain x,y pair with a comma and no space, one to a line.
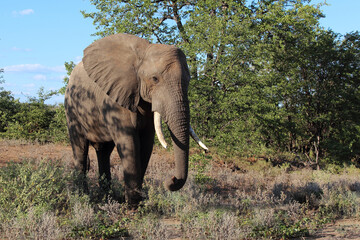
158,129
197,139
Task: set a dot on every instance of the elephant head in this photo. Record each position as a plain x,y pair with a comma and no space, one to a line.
130,70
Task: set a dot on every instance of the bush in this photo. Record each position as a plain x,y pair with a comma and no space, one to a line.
33,226
41,200
214,225
57,128
40,186
34,120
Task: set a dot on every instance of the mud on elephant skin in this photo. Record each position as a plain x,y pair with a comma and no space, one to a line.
117,96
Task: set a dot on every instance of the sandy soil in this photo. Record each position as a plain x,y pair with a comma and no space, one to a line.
342,229
17,151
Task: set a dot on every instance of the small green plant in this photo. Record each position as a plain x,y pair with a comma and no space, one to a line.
339,203
100,231
280,225
199,163
213,224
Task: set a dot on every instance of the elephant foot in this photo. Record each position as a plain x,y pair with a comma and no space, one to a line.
133,198
83,184
105,186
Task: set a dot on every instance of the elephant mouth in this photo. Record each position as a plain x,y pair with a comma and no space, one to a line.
161,138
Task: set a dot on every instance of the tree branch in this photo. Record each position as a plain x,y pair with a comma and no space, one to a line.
179,24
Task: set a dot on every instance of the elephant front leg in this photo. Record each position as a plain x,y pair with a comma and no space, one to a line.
103,152
129,151
146,137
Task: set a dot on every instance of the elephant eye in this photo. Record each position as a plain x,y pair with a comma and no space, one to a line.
155,79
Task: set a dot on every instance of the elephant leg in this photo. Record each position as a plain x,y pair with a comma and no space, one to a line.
128,148
146,147
80,147
103,152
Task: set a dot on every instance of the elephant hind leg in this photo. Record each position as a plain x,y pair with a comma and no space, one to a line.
80,147
103,152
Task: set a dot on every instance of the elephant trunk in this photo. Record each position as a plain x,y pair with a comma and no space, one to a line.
178,121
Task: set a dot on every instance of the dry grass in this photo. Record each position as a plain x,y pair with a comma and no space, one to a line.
33,226
257,202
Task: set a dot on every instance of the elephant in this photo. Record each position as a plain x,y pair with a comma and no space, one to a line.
117,96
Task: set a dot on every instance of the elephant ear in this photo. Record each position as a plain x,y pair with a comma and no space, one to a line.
112,62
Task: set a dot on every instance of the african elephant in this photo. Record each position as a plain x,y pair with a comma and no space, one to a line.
116,97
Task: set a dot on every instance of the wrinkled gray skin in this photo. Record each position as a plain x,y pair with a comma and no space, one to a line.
110,102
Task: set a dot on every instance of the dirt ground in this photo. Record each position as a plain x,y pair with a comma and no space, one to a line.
17,151
13,150
342,229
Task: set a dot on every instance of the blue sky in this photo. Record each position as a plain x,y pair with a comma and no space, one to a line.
37,37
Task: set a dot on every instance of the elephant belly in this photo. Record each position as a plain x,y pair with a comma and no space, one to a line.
96,133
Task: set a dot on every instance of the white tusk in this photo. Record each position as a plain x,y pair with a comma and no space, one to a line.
197,139
158,129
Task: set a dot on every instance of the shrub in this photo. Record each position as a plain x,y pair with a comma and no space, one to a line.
199,164
277,223
40,200
41,186
214,224
33,226
149,227
58,131
34,120
339,202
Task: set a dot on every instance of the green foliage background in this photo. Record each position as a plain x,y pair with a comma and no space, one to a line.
266,77
33,120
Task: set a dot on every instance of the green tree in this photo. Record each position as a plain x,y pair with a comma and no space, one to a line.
329,96
227,43
316,96
32,119
310,97
285,29
69,66
243,54
264,73
8,105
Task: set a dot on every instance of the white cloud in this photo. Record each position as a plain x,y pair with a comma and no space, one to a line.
61,77
26,12
40,77
78,59
29,85
21,49
23,12
31,68
7,84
